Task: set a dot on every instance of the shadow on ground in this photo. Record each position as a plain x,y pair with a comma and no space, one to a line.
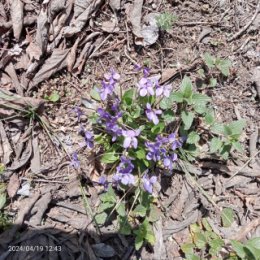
56,244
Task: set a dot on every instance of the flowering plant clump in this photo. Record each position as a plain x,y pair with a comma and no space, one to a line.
145,132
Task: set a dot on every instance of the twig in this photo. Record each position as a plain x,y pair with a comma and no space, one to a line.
100,45
107,49
131,59
247,25
245,164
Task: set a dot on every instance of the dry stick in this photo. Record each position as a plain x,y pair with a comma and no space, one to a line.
100,45
247,25
245,164
131,59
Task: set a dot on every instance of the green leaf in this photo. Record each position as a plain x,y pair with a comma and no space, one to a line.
217,128
215,145
252,253
186,87
139,240
200,98
238,248
140,153
140,210
227,217
177,97
195,228
225,151
108,196
149,237
254,242
124,226
192,257
213,82
2,200
54,97
224,66
95,94
193,138
200,240
104,206
128,97
154,214
157,129
206,224
215,246
136,112
101,218
166,103
237,146
120,209
236,127
187,248
168,116
209,118
200,108
209,60
187,118
109,157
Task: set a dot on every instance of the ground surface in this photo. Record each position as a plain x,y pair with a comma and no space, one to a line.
48,46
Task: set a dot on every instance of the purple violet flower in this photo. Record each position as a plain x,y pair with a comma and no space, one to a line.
103,181
78,112
174,142
169,161
124,172
152,114
112,76
137,67
108,84
89,139
106,89
146,71
130,138
154,152
148,183
163,90
145,87
75,161
125,166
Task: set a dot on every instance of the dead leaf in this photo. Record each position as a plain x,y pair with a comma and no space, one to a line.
115,4
39,208
134,15
13,185
36,160
110,26
9,69
17,17
6,147
42,30
34,51
55,7
23,160
55,63
72,55
80,6
5,81
78,24
150,30
22,62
